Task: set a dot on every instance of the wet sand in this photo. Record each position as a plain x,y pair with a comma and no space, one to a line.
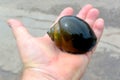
105,62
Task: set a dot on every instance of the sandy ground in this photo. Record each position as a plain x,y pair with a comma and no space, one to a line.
38,15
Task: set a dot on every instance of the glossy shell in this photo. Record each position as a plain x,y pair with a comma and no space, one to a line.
72,34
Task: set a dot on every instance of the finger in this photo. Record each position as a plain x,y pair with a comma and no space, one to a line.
65,12
98,28
92,16
18,29
84,11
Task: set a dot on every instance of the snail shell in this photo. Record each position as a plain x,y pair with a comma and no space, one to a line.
72,34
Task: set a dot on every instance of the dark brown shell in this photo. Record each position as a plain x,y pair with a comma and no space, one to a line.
72,34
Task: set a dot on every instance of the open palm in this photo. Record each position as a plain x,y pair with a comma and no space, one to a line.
41,54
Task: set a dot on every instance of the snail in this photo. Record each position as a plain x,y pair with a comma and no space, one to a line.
73,35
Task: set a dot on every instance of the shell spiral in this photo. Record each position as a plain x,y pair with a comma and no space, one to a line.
73,35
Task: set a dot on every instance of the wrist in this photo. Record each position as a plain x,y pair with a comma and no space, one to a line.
36,74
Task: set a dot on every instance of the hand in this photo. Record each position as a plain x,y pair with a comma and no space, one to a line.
42,59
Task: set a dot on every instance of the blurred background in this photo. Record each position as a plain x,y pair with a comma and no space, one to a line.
38,15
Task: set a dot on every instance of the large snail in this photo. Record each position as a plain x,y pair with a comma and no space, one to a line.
73,35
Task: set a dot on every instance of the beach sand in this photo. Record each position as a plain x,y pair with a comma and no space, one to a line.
38,16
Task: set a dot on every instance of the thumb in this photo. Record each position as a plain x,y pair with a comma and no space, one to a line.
19,31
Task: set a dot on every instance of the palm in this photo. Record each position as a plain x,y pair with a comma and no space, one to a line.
55,58
42,53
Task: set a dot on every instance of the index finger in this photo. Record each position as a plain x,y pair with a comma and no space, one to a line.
65,12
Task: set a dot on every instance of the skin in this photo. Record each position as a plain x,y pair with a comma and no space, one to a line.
43,60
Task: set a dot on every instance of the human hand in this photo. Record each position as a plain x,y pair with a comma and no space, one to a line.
43,60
